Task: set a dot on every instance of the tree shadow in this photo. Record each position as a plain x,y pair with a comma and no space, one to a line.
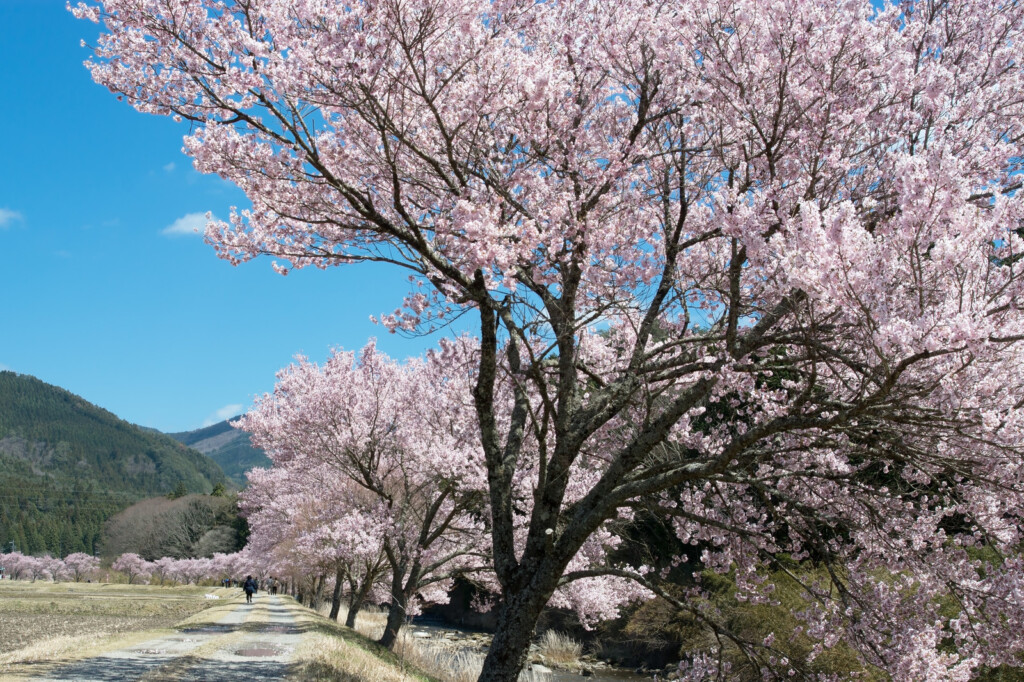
106,669
194,669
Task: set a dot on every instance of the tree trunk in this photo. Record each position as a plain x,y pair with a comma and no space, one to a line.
356,602
339,584
396,610
517,621
396,616
317,597
350,617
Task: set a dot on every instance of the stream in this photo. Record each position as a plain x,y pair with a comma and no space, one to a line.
476,643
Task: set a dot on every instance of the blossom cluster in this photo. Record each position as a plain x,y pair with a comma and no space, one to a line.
749,266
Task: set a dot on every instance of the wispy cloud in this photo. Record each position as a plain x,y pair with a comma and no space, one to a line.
190,223
226,412
7,216
4,368
169,167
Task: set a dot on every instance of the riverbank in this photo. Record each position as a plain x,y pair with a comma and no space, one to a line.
456,655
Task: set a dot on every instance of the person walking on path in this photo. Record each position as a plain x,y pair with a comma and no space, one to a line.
250,588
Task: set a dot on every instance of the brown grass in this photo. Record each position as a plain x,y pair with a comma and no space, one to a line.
30,659
330,651
42,623
556,649
33,613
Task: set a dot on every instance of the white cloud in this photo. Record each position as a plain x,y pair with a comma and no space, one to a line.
190,223
226,412
169,167
7,216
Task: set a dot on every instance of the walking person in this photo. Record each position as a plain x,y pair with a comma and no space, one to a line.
250,588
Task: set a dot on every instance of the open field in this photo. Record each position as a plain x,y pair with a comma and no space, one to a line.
31,613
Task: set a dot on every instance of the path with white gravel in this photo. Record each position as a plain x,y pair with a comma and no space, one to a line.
252,642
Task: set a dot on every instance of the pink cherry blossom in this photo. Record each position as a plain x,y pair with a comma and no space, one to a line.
81,566
749,265
133,566
377,476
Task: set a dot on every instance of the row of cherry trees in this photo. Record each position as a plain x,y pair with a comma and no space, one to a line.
378,481
80,567
77,567
796,222
378,478
375,477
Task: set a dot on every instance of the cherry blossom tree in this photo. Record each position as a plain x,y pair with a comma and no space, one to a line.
15,565
189,570
56,568
250,560
163,569
38,567
288,515
381,462
222,566
81,566
133,566
750,263
312,522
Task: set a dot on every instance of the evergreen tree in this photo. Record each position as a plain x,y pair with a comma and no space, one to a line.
179,491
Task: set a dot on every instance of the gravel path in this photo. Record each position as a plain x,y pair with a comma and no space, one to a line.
253,642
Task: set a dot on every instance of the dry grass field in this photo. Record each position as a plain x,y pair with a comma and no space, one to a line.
35,613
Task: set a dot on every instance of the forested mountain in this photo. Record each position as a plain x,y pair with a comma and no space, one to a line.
227,446
67,465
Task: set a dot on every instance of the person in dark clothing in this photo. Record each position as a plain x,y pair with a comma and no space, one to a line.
250,588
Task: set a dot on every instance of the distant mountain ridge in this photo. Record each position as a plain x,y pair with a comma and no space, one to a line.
67,465
227,446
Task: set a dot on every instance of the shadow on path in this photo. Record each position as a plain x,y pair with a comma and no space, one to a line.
262,652
106,668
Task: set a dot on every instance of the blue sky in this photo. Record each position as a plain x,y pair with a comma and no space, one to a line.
97,296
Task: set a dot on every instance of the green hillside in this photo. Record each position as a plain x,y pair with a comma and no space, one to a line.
228,447
67,465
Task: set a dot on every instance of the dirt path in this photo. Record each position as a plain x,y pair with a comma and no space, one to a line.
252,642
